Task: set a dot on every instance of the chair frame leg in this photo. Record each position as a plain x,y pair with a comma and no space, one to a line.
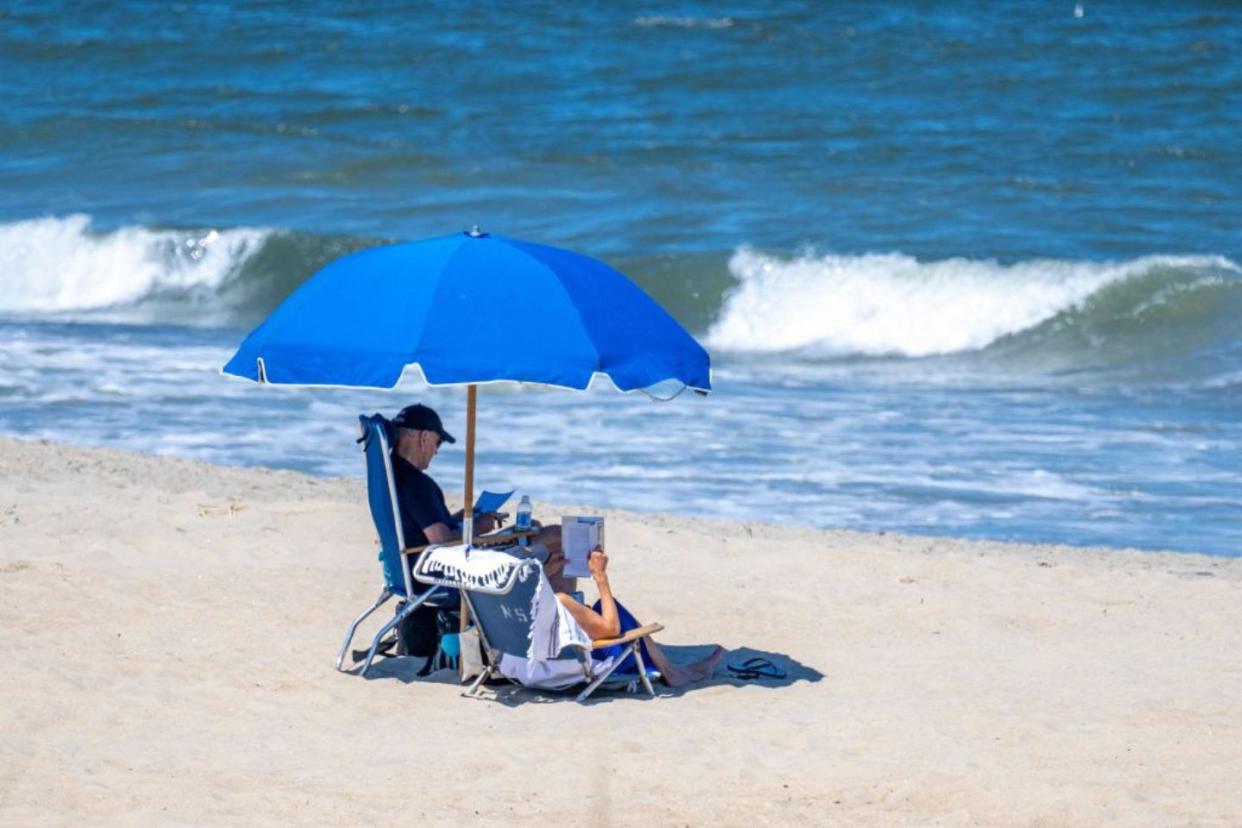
602,677
642,668
384,595
473,689
410,606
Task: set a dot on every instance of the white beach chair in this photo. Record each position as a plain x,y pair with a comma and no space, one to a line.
529,638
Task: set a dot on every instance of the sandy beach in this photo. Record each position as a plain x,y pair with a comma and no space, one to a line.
168,630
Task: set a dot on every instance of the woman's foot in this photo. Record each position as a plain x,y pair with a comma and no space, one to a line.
681,675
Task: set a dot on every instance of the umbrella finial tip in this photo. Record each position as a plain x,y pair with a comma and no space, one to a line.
474,232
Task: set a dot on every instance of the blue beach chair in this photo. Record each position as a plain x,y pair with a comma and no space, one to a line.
382,496
501,597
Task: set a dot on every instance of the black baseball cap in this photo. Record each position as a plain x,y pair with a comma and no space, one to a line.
421,418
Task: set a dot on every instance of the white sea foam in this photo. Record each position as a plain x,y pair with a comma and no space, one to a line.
683,22
893,304
60,264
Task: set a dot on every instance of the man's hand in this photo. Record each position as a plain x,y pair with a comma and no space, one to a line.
485,523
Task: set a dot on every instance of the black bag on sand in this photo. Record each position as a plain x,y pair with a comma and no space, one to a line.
429,623
418,634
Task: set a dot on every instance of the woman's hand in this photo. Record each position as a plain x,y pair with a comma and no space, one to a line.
598,563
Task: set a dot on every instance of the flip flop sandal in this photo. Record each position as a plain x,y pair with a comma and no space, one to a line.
756,668
751,664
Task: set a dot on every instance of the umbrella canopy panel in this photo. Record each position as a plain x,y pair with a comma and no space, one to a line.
470,308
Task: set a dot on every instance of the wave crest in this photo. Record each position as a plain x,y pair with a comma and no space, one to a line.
60,264
894,305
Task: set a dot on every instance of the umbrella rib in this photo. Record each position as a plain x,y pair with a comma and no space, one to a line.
586,329
597,366
418,346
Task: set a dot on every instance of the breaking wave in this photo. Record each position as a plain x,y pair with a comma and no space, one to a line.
815,307
61,264
895,305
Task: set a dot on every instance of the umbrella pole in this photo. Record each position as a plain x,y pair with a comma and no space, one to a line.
467,511
468,506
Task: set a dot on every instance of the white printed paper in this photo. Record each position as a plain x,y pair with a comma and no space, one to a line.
579,535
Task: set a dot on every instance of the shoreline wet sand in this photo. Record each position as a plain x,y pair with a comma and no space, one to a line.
168,629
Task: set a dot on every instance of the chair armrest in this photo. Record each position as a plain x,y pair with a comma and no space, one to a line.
500,536
632,635
494,539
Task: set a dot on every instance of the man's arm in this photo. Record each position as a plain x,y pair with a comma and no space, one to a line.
441,533
423,504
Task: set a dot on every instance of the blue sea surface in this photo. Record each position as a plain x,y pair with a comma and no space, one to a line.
964,271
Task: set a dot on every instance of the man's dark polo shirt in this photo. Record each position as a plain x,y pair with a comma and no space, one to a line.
420,500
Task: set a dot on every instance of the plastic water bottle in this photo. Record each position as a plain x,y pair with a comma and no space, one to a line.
522,521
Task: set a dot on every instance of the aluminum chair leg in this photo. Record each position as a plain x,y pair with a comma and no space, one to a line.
602,677
483,676
397,619
353,628
642,668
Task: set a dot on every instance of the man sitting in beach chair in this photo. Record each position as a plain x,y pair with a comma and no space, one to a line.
425,517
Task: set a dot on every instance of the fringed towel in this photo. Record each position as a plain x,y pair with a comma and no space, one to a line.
481,569
558,643
552,658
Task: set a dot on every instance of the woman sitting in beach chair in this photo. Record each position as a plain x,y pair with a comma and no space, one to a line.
541,637
608,619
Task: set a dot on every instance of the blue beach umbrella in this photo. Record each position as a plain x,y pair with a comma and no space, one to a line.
466,309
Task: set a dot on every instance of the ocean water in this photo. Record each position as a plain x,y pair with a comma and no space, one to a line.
962,271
